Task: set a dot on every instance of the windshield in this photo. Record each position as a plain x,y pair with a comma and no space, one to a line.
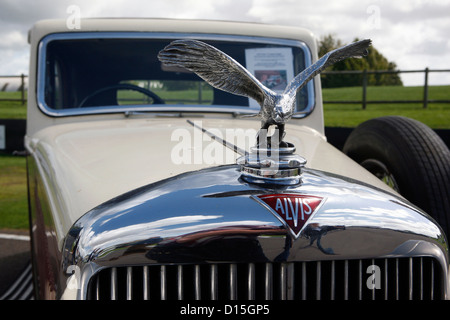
94,73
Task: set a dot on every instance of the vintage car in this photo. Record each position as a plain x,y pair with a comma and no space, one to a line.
144,182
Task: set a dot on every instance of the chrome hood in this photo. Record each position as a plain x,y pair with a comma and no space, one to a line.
86,164
213,216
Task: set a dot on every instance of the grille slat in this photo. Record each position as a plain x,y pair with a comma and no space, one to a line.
129,283
251,281
163,282
180,282
346,275
233,281
268,281
197,282
146,282
410,278
397,274
319,280
214,282
432,280
386,279
303,280
333,280
397,278
114,284
283,277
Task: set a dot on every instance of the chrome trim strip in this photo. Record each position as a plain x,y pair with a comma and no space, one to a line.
225,143
160,35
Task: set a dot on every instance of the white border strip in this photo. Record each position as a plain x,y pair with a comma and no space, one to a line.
14,237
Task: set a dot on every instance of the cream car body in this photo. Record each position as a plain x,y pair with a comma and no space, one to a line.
78,162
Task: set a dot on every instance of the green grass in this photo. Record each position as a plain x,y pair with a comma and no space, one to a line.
436,115
13,193
12,109
13,180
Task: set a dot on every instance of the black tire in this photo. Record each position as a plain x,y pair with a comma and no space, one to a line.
413,157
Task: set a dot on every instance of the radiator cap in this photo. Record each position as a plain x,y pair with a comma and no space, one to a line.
279,166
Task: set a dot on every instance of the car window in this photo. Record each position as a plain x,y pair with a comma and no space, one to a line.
90,72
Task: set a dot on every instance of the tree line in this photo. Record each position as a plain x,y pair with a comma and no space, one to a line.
373,61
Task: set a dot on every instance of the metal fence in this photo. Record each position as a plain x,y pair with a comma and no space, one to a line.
363,102
22,89
424,101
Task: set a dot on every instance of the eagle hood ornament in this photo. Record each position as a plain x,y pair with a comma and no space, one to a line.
223,72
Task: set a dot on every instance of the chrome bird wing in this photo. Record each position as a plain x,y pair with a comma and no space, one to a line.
215,67
354,50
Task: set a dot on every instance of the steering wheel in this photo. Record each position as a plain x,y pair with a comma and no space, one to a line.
154,96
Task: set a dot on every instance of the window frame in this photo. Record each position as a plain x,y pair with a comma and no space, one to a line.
41,73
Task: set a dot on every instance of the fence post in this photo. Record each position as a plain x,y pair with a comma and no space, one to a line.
425,89
200,91
22,88
364,87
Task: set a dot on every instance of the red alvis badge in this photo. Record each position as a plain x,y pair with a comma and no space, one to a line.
293,210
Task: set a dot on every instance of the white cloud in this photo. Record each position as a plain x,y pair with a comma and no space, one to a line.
13,40
412,33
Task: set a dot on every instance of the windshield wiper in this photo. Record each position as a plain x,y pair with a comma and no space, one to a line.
160,114
227,144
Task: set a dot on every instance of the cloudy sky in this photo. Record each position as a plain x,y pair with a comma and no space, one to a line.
412,33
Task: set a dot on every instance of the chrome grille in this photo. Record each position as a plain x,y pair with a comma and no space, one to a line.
397,278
